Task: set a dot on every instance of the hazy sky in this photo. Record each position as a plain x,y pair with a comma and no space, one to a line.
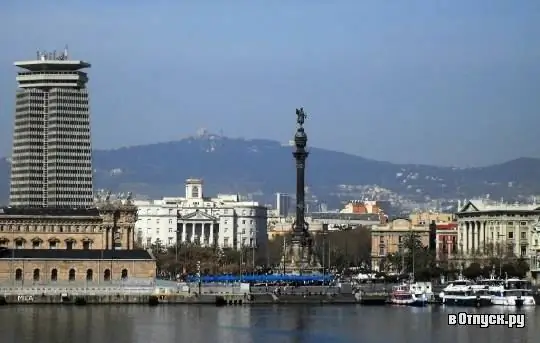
421,81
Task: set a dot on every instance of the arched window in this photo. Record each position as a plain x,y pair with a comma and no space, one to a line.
89,275
36,274
18,274
71,274
195,192
107,275
54,274
124,274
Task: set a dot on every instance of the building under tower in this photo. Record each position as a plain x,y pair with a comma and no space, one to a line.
52,154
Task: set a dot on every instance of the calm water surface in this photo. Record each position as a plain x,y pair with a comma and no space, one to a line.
287,324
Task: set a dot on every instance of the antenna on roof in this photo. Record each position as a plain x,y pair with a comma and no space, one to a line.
66,55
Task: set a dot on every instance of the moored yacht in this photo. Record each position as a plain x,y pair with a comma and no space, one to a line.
513,292
411,294
461,292
483,287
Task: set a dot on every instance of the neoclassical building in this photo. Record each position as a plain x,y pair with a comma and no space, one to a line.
387,238
489,228
42,245
222,221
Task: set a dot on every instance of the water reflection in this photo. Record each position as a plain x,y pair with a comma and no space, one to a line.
288,324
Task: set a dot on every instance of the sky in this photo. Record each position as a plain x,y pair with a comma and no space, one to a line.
419,81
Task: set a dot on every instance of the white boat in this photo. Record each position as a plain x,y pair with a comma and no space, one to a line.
465,296
483,287
458,285
512,292
411,294
462,292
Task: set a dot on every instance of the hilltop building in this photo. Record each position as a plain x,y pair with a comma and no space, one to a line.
52,232
222,221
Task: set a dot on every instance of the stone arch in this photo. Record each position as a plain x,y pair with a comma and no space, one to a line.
89,275
72,274
36,275
124,274
107,275
18,274
4,240
54,274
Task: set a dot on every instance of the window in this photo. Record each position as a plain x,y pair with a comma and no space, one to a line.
89,275
226,242
381,240
171,230
523,223
381,251
71,275
510,223
52,245
251,221
36,275
243,231
195,192
35,244
124,274
18,274
19,244
243,221
157,221
170,221
54,274
523,250
511,235
170,212
86,245
523,235
69,245
107,275
400,239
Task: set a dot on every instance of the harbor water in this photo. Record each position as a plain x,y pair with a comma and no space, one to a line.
247,324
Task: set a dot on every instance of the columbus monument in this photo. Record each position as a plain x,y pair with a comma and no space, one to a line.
299,257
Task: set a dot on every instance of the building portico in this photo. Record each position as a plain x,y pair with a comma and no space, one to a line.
198,228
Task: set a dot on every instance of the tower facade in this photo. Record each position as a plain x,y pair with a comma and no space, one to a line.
51,162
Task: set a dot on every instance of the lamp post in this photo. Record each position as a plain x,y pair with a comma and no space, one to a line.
499,235
324,231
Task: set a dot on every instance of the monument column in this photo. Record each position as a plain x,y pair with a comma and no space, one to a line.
299,256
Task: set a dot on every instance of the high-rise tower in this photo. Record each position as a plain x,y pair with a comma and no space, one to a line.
51,162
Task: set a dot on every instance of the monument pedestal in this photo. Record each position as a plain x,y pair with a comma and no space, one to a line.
299,260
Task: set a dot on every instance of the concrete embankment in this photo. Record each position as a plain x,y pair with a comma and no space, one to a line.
154,300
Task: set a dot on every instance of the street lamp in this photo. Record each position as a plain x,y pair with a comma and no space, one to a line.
499,235
324,231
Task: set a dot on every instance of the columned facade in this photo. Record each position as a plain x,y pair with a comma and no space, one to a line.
489,229
200,233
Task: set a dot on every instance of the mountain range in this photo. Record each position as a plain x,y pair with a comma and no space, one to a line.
263,167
